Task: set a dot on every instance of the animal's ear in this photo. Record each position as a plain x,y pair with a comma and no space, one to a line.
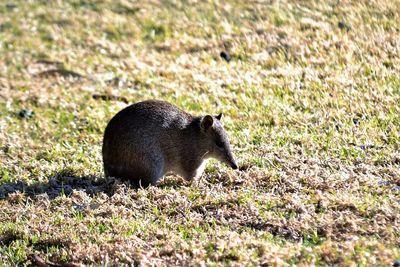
219,117
206,122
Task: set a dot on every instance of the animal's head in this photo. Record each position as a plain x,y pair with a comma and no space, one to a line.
216,140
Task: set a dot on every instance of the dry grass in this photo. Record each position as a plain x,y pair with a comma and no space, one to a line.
311,98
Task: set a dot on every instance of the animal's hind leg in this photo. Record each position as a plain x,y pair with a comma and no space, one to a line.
150,172
139,166
155,172
156,175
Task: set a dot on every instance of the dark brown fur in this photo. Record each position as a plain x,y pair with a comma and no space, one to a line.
148,139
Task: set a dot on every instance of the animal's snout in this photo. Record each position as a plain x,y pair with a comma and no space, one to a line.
231,161
234,166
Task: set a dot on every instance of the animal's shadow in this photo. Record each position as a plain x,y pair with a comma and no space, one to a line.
60,183
65,182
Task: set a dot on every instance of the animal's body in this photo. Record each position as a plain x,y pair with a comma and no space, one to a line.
148,139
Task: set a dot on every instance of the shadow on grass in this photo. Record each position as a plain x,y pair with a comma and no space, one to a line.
65,182
61,183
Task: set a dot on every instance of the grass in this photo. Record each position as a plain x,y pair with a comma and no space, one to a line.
310,100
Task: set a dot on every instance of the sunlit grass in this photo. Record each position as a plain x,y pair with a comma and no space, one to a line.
310,99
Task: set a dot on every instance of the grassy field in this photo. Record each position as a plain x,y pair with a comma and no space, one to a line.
311,102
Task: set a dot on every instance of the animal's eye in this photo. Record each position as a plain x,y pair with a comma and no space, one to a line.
219,144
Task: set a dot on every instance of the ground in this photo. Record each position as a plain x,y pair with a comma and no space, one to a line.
310,98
